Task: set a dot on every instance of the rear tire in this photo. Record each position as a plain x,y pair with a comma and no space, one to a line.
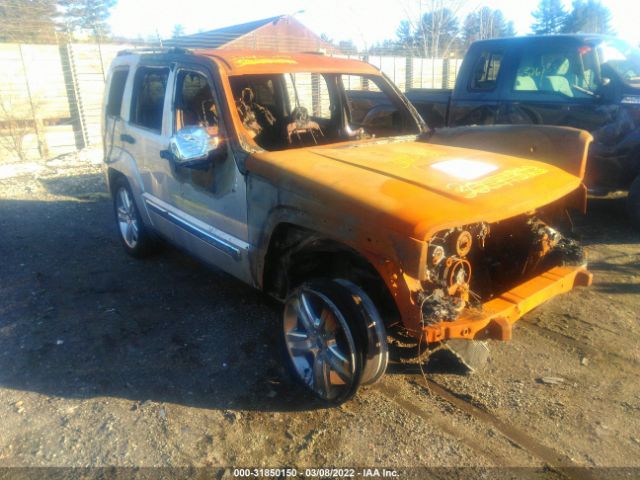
633,202
332,343
133,234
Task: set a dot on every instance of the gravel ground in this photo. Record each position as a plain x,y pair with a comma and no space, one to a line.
109,361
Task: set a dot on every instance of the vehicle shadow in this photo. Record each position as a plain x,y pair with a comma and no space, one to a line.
606,221
80,319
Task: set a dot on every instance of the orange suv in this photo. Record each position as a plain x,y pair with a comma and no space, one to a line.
278,169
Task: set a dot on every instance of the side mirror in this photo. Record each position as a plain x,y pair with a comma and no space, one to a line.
191,147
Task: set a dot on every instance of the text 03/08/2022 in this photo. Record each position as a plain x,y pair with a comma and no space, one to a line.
315,473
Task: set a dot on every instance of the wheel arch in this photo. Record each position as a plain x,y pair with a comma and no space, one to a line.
131,175
295,254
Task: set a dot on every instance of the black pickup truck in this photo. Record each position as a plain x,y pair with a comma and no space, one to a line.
589,82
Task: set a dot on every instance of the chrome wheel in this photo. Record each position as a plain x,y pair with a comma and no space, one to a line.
320,344
128,221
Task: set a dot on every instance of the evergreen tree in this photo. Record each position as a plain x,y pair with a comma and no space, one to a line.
28,21
405,35
388,47
550,17
89,15
588,16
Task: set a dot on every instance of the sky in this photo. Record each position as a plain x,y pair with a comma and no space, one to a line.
365,22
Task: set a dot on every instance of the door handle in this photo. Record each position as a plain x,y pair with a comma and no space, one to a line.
127,138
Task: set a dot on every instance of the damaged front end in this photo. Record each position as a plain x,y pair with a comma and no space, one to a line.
481,278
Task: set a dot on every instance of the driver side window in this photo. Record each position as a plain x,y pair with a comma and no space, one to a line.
194,106
194,103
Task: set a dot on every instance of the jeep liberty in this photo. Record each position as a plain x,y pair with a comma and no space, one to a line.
356,216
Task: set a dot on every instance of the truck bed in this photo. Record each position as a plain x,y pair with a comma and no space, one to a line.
432,104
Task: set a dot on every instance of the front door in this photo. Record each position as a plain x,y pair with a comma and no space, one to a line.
206,205
556,84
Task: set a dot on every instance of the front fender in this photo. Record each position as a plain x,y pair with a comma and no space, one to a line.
399,260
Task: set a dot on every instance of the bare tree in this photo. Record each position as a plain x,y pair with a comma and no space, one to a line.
435,23
14,128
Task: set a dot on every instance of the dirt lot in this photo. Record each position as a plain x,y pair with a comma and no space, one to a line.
108,361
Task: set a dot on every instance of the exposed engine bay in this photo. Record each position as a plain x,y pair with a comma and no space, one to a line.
469,265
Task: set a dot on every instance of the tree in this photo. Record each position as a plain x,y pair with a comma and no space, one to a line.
550,17
178,30
27,21
433,25
387,47
588,17
437,31
485,23
347,47
405,36
89,15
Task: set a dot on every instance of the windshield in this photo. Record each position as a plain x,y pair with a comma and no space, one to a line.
293,110
620,58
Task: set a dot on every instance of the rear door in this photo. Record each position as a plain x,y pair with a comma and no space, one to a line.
476,102
113,123
146,134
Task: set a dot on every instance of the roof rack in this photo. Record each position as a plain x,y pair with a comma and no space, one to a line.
151,50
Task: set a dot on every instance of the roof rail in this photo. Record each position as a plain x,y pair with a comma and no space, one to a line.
151,50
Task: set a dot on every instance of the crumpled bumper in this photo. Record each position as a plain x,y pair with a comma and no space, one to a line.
496,317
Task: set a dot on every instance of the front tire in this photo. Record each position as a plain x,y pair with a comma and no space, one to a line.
332,340
133,234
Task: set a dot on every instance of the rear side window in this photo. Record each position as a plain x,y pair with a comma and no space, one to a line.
486,70
148,97
116,92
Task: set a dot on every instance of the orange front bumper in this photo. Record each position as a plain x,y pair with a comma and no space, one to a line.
495,318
